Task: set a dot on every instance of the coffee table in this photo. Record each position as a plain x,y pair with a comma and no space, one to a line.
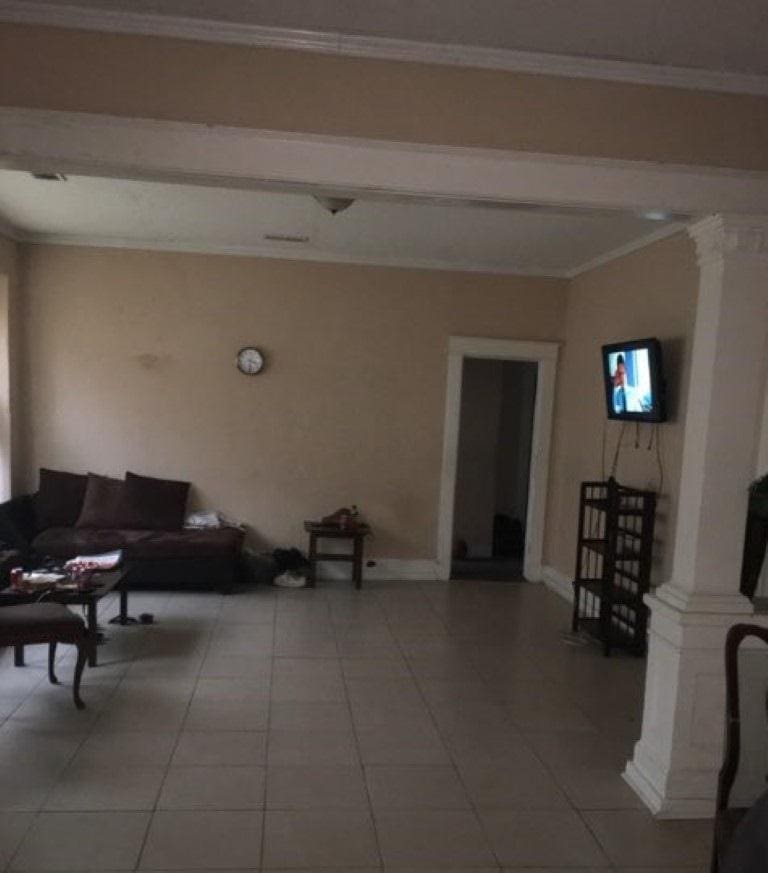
103,584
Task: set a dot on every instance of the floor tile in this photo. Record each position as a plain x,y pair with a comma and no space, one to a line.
22,789
403,788
13,826
312,715
213,788
442,838
218,665
308,748
238,714
126,749
307,680
377,668
541,839
477,730
82,841
316,788
233,688
203,840
526,785
220,748
402,744
95,789
320,838
568,750
635,837
588,788
153,713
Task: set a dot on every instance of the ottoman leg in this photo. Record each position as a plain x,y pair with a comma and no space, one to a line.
51,661
82,657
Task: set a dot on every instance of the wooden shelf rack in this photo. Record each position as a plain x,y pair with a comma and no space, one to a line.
613,564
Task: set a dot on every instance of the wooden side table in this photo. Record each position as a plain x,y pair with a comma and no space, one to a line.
318,531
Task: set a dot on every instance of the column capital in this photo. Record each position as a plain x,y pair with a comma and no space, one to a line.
720,235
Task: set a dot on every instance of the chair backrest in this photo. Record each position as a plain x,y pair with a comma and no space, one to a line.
735,710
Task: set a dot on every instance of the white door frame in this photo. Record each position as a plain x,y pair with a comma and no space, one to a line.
545,356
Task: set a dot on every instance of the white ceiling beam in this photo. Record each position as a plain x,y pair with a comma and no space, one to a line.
97,145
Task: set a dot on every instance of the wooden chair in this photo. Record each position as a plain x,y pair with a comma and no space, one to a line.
726,817
52,623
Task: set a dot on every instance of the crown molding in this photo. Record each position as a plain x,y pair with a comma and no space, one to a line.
287,252
383,48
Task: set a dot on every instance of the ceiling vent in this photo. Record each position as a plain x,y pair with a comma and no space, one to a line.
284,237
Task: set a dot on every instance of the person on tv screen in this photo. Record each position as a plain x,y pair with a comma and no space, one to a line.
625,398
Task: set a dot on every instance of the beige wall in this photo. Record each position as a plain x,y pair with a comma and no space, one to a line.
163,78
128,363
651,292
8,370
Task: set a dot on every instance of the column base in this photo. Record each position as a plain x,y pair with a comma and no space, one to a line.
676,762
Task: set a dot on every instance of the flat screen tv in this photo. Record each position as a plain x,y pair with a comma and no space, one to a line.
634,381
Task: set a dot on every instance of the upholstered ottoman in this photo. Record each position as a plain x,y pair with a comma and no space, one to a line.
52,623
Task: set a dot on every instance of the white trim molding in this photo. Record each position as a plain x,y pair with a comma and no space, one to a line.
285,252
127,148
383,48
545,356
385,570
558,582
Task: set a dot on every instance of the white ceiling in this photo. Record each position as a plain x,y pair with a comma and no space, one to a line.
400,232
714,35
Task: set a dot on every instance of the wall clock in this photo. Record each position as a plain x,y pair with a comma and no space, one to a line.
250,361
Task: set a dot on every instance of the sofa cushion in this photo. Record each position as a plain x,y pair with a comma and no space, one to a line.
139,544
59,498
68,542
153,504
215,543
103,502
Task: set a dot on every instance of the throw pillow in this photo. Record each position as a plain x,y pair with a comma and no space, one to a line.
102,506
154,504
59,498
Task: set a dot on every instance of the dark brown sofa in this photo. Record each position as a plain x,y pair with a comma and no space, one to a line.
154,558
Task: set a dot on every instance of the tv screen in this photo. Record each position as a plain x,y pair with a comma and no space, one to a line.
634,380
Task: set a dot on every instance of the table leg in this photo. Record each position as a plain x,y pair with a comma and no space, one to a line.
312,575
93,633
122,617
357,566
18,656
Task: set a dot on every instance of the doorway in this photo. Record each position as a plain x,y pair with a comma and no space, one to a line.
543,357
492,468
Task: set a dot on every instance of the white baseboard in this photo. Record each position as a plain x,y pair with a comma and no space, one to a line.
557,582
418,570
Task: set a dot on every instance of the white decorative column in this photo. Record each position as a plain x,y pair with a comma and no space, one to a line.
676,760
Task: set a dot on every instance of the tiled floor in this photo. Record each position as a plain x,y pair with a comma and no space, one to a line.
410,726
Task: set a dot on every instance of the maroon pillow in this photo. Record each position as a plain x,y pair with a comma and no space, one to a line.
153,504
59,498
102,506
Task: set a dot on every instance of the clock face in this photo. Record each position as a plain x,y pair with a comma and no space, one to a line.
250,361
